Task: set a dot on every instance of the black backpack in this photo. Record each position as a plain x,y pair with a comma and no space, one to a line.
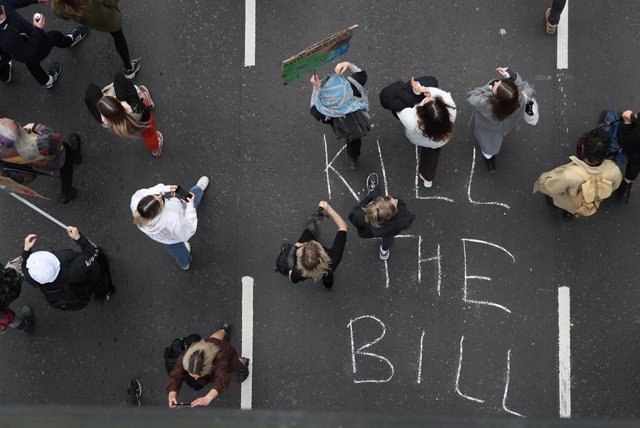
286,260
353,125
176,348
10,286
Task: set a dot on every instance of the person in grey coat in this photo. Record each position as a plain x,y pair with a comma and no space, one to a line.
499,108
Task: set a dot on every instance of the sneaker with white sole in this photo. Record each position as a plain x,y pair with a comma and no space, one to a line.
384,255
426,183
372,181
78,34
146,97
203,183
186,244
130,72
158,152
54,71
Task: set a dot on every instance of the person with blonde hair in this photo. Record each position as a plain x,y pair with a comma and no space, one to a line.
380,216
313,260
209,361
125,109
164,217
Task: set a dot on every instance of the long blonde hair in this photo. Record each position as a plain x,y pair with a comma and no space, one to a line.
381,210
313,260
121,122
198,359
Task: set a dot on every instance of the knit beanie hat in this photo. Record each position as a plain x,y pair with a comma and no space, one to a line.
43,267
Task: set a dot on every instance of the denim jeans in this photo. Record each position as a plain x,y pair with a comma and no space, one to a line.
179,250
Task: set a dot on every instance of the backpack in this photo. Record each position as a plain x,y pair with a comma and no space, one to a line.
67,297
610,123
286,260
594,189
176,348
10,286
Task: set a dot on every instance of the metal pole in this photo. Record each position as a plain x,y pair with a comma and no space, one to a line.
29,204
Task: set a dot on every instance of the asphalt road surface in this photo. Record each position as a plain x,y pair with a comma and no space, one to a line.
462,319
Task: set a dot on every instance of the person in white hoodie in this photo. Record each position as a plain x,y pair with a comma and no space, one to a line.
165,218
429,125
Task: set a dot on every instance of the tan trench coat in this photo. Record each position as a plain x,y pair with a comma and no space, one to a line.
563,183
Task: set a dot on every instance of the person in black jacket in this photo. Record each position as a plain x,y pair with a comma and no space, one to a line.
30,44
380,216
336,96
68,278
315,261
629,138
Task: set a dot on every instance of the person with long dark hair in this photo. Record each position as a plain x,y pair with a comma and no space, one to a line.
100,15
125,109
499,108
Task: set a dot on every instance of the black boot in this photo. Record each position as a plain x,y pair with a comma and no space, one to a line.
67,196
491,164
76,148
624,191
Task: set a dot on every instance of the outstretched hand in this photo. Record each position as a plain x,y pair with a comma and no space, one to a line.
30,241
342,67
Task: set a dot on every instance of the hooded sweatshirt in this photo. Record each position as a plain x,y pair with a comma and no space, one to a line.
175,223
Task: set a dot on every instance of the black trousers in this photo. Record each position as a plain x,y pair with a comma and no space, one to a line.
66,172
353,148
121,47
60,41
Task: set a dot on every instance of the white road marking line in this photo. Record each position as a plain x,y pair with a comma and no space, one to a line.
420,362
384,172
246,387
564,351
562,51
249,33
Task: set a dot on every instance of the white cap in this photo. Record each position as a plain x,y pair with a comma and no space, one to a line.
43,266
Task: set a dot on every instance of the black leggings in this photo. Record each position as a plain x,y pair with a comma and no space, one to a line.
122,47
60,41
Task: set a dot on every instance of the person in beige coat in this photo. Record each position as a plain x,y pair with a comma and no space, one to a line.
564,183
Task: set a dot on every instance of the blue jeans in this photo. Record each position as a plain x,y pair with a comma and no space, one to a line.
179,251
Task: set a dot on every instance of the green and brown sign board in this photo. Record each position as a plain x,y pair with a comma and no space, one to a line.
314,56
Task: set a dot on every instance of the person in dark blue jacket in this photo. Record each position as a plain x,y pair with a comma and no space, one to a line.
30,44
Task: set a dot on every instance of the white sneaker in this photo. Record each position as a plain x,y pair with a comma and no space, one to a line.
426,183
186,244
384,255
203,183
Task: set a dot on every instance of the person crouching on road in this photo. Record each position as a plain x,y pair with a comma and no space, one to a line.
167,219
67,278
314,261
380,216
209,361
